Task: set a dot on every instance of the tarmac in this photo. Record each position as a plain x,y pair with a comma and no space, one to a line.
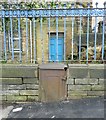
83,108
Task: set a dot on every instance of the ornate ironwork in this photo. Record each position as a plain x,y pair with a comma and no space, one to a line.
53,12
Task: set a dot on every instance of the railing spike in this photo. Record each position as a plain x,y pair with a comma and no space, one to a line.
48,3
57,4
64,4
96,4
72,4
104,4
88,4
80,4
10,6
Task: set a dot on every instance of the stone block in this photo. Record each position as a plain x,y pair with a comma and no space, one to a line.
29,92
70,81
10,71
98,87
96,73
96,66
102,81
91,96
16,87
32,86
10,92
81,81
4,87
36,73
16,98
93,81
0,80
74,97
105,71
104,87
30,80
86,81
95,93
77,93
11,81
79,87
32,98
1,87
1,92
2,98
78,71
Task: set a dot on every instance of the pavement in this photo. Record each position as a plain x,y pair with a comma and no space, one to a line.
5,110
83,108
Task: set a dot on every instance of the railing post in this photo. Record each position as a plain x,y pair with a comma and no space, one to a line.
26,13
72,32
9,44
95,35
4,30
49,31
31,39
34,38
80,35
87,34
103,31
41,33
19,34
65,35
56,32
11,26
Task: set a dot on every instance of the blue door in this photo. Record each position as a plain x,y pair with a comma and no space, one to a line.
52,49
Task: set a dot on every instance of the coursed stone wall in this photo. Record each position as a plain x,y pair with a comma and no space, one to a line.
86,81
20,83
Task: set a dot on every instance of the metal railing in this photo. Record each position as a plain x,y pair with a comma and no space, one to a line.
14,17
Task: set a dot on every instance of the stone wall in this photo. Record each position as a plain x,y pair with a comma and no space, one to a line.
20,83
85,81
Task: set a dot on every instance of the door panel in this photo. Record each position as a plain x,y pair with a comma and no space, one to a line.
53,89
52,49
52,85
